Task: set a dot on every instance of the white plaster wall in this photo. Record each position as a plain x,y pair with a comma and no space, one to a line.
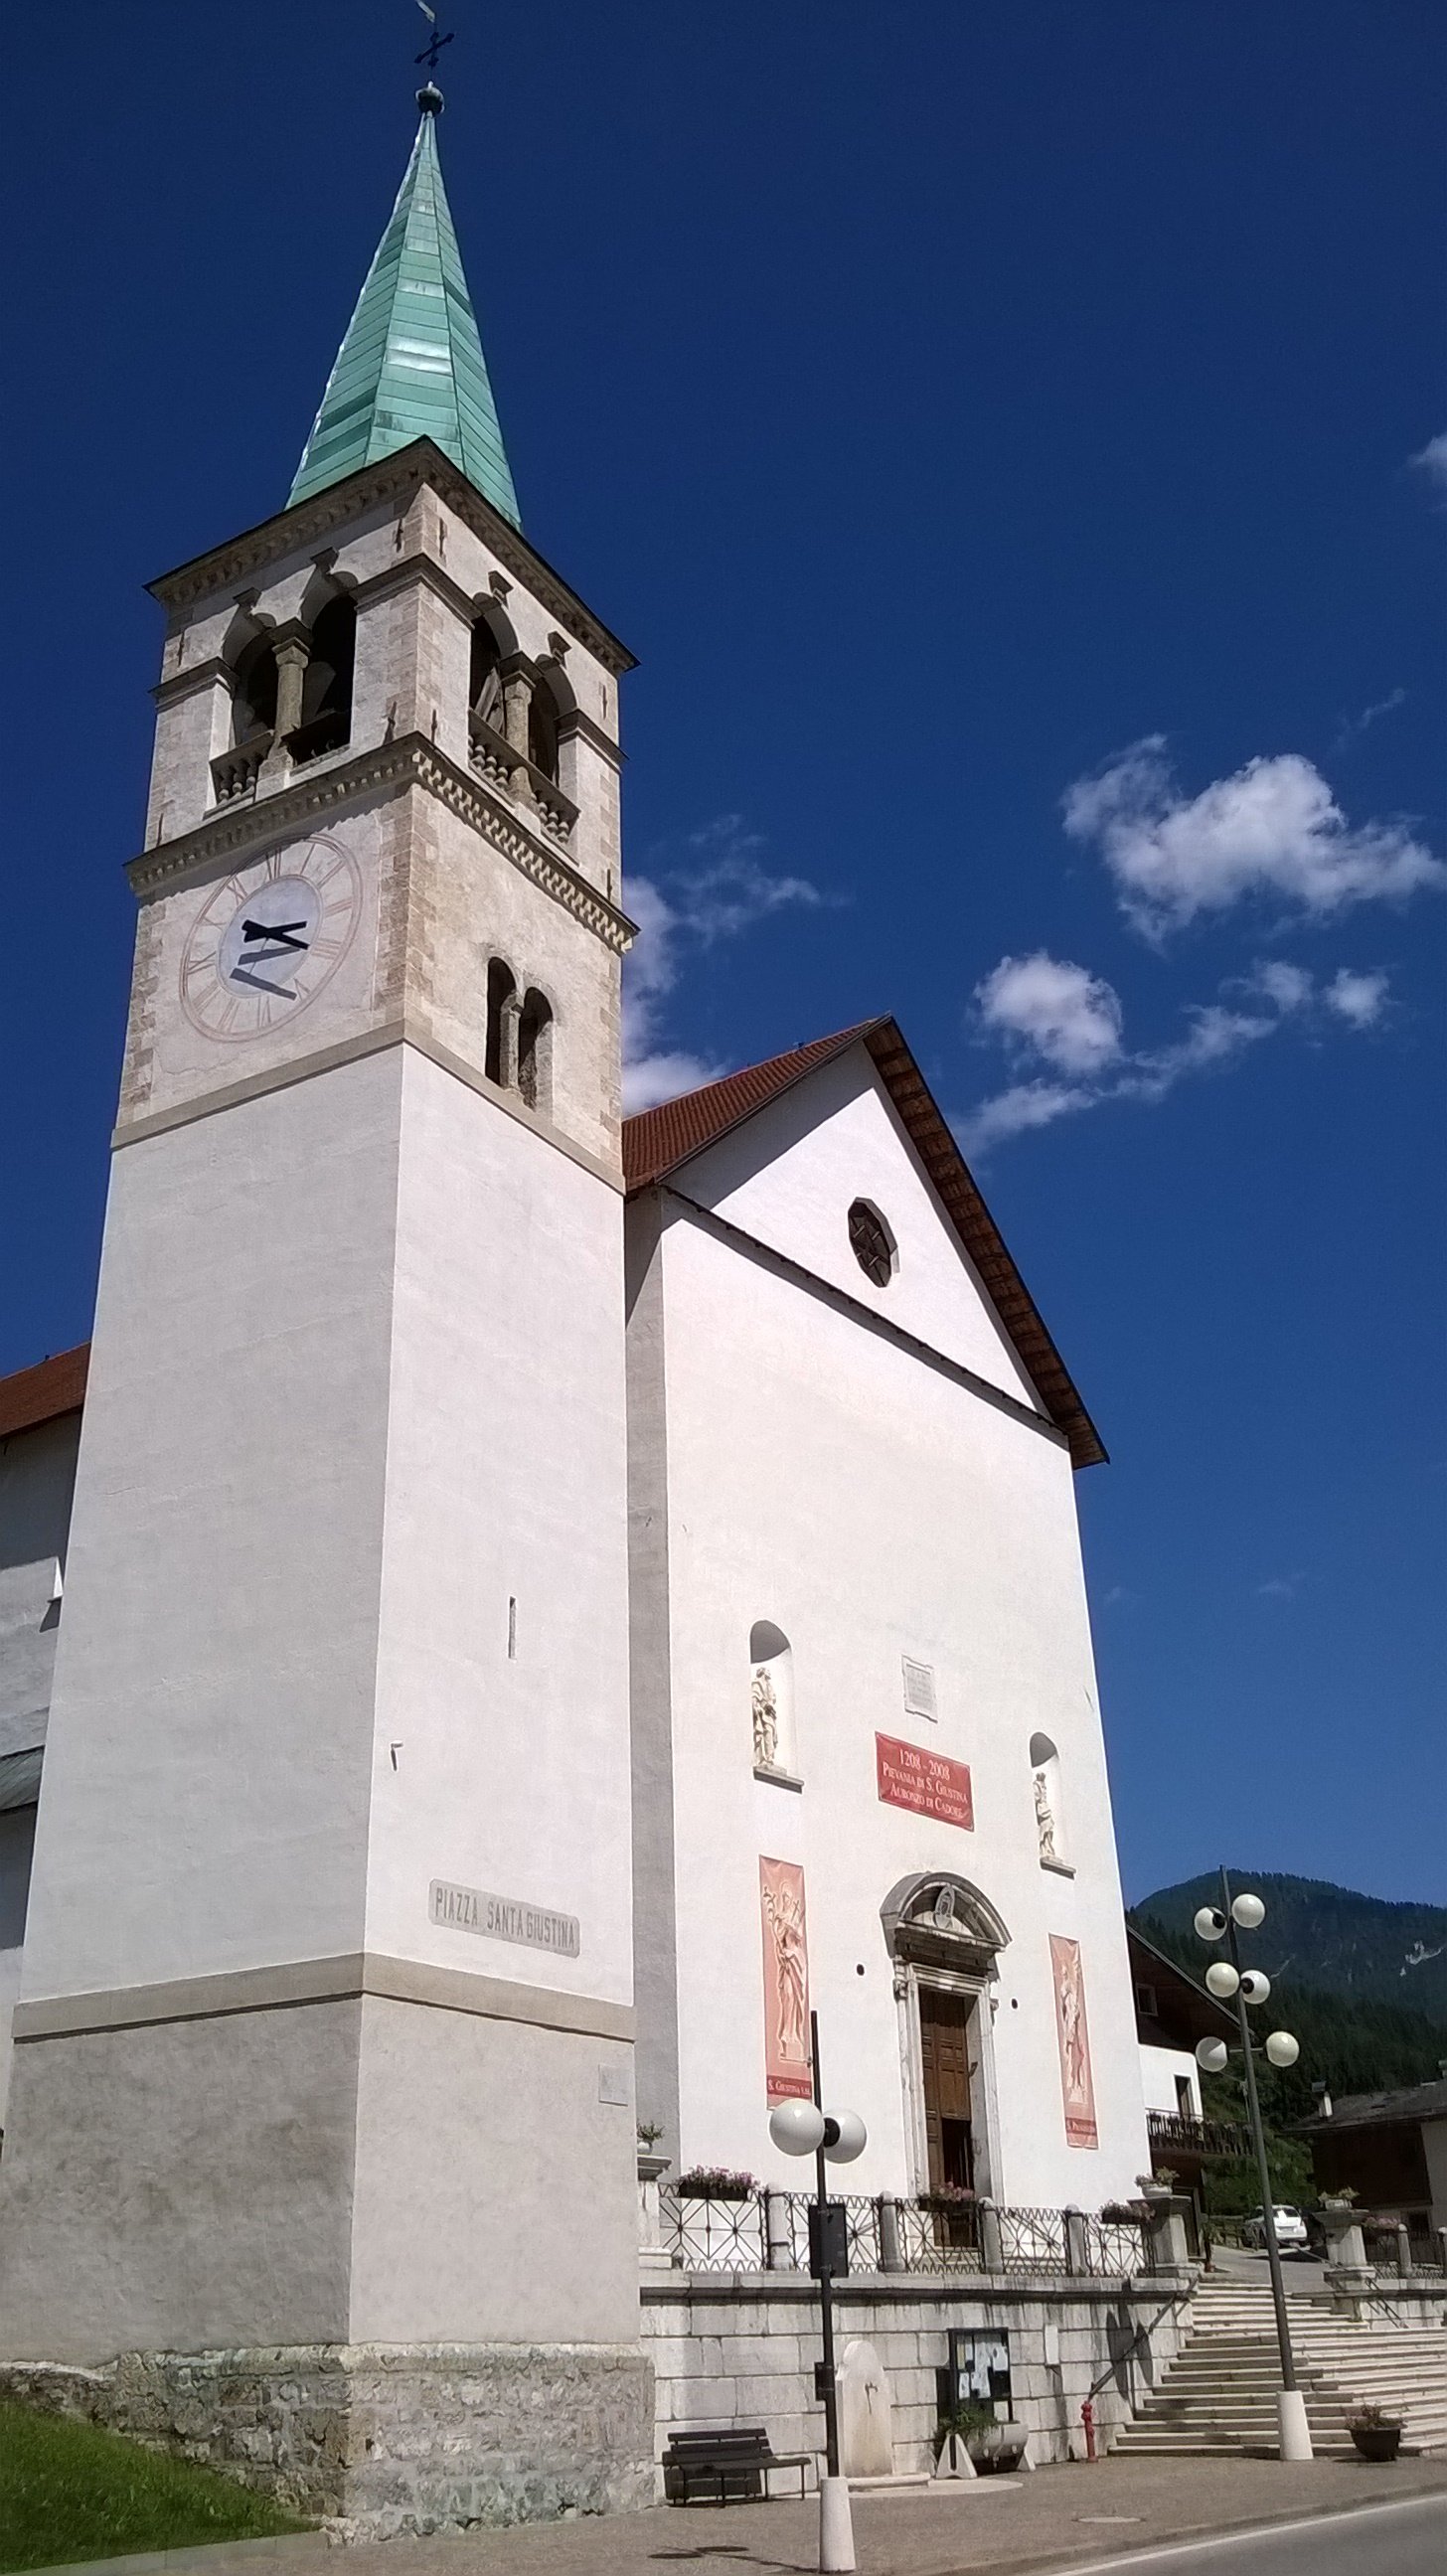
1159,2069
207,1773
823,1479
37,1478
505,1483
788,1176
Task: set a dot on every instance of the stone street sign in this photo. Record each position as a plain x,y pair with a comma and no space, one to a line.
504,1918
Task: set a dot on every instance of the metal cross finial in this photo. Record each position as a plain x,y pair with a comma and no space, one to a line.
435,43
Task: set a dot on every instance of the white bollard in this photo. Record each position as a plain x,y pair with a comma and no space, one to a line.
1294,2428
836,2530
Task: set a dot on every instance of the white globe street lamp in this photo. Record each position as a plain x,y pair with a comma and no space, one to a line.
835,2137
1225,1980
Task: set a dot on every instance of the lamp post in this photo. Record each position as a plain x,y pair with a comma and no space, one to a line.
1226,1981
835,2137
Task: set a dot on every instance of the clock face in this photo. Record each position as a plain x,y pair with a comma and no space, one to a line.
267,939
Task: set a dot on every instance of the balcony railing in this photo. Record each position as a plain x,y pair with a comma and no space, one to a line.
1197,2137
495,759
235,773
768,2231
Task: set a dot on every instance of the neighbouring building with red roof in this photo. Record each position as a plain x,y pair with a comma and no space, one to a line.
519,1607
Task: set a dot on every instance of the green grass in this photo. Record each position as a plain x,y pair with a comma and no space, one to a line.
69,2491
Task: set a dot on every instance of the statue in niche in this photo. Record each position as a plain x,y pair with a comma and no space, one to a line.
766,1720
1044,1818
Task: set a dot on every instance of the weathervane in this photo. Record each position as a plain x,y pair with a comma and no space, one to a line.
435,43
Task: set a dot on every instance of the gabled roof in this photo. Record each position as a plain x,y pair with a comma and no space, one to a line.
1380,2110
411,363
658,1141
46,1391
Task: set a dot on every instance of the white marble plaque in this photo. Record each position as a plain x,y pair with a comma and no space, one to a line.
503,1918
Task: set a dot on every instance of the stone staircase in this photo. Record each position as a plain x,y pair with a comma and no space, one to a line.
1219,2394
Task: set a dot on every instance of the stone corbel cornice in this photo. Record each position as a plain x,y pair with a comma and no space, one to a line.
389,487
234,831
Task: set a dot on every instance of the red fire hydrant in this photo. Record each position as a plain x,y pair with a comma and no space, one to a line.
1087,2418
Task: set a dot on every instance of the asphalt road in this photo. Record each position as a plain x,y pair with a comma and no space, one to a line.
1407,2539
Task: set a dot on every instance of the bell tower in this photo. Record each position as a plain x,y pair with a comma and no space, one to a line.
323,2073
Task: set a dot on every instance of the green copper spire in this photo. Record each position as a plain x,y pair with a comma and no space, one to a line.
411,365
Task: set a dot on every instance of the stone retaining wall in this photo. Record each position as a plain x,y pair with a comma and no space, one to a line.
742,2347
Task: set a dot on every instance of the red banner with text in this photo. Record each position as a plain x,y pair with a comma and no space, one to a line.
911,1776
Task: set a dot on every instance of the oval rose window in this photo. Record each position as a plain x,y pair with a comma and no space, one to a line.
871,1243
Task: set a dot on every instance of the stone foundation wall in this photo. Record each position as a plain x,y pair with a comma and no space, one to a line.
741,2348
387,2439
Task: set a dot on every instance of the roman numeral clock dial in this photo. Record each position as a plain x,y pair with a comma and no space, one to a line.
268,938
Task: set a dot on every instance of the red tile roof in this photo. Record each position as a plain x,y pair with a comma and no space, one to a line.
43,1393
657,1141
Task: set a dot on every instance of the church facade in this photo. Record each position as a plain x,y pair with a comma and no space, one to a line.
520,1607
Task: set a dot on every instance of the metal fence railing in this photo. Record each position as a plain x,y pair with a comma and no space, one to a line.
768,2231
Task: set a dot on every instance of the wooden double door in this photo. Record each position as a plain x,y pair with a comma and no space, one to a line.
944,2046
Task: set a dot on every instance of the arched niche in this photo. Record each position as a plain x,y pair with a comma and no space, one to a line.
771,1700
1045,1789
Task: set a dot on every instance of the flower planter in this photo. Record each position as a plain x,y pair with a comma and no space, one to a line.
1377,2441
998,2447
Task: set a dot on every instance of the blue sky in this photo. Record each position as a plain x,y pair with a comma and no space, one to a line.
1005,435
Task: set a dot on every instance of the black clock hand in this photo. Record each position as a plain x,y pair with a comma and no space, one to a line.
280,930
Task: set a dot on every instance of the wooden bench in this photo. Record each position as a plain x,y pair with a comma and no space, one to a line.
726,2463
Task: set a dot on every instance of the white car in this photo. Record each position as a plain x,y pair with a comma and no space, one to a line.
1290,2228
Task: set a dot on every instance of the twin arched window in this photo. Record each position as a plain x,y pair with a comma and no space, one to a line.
518,1042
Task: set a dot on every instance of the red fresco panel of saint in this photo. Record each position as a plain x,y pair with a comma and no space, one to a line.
787,2073
1076,2082
908,1775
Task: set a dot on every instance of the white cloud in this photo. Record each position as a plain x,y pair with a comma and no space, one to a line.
1025,1105
716,889
1273,828
1357,998
1350,726
1433,460
1251,1007
647,1079
1068,1016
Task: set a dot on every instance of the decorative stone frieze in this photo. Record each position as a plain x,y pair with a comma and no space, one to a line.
410,761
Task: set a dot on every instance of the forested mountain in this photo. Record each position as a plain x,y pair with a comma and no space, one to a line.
1329,1938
